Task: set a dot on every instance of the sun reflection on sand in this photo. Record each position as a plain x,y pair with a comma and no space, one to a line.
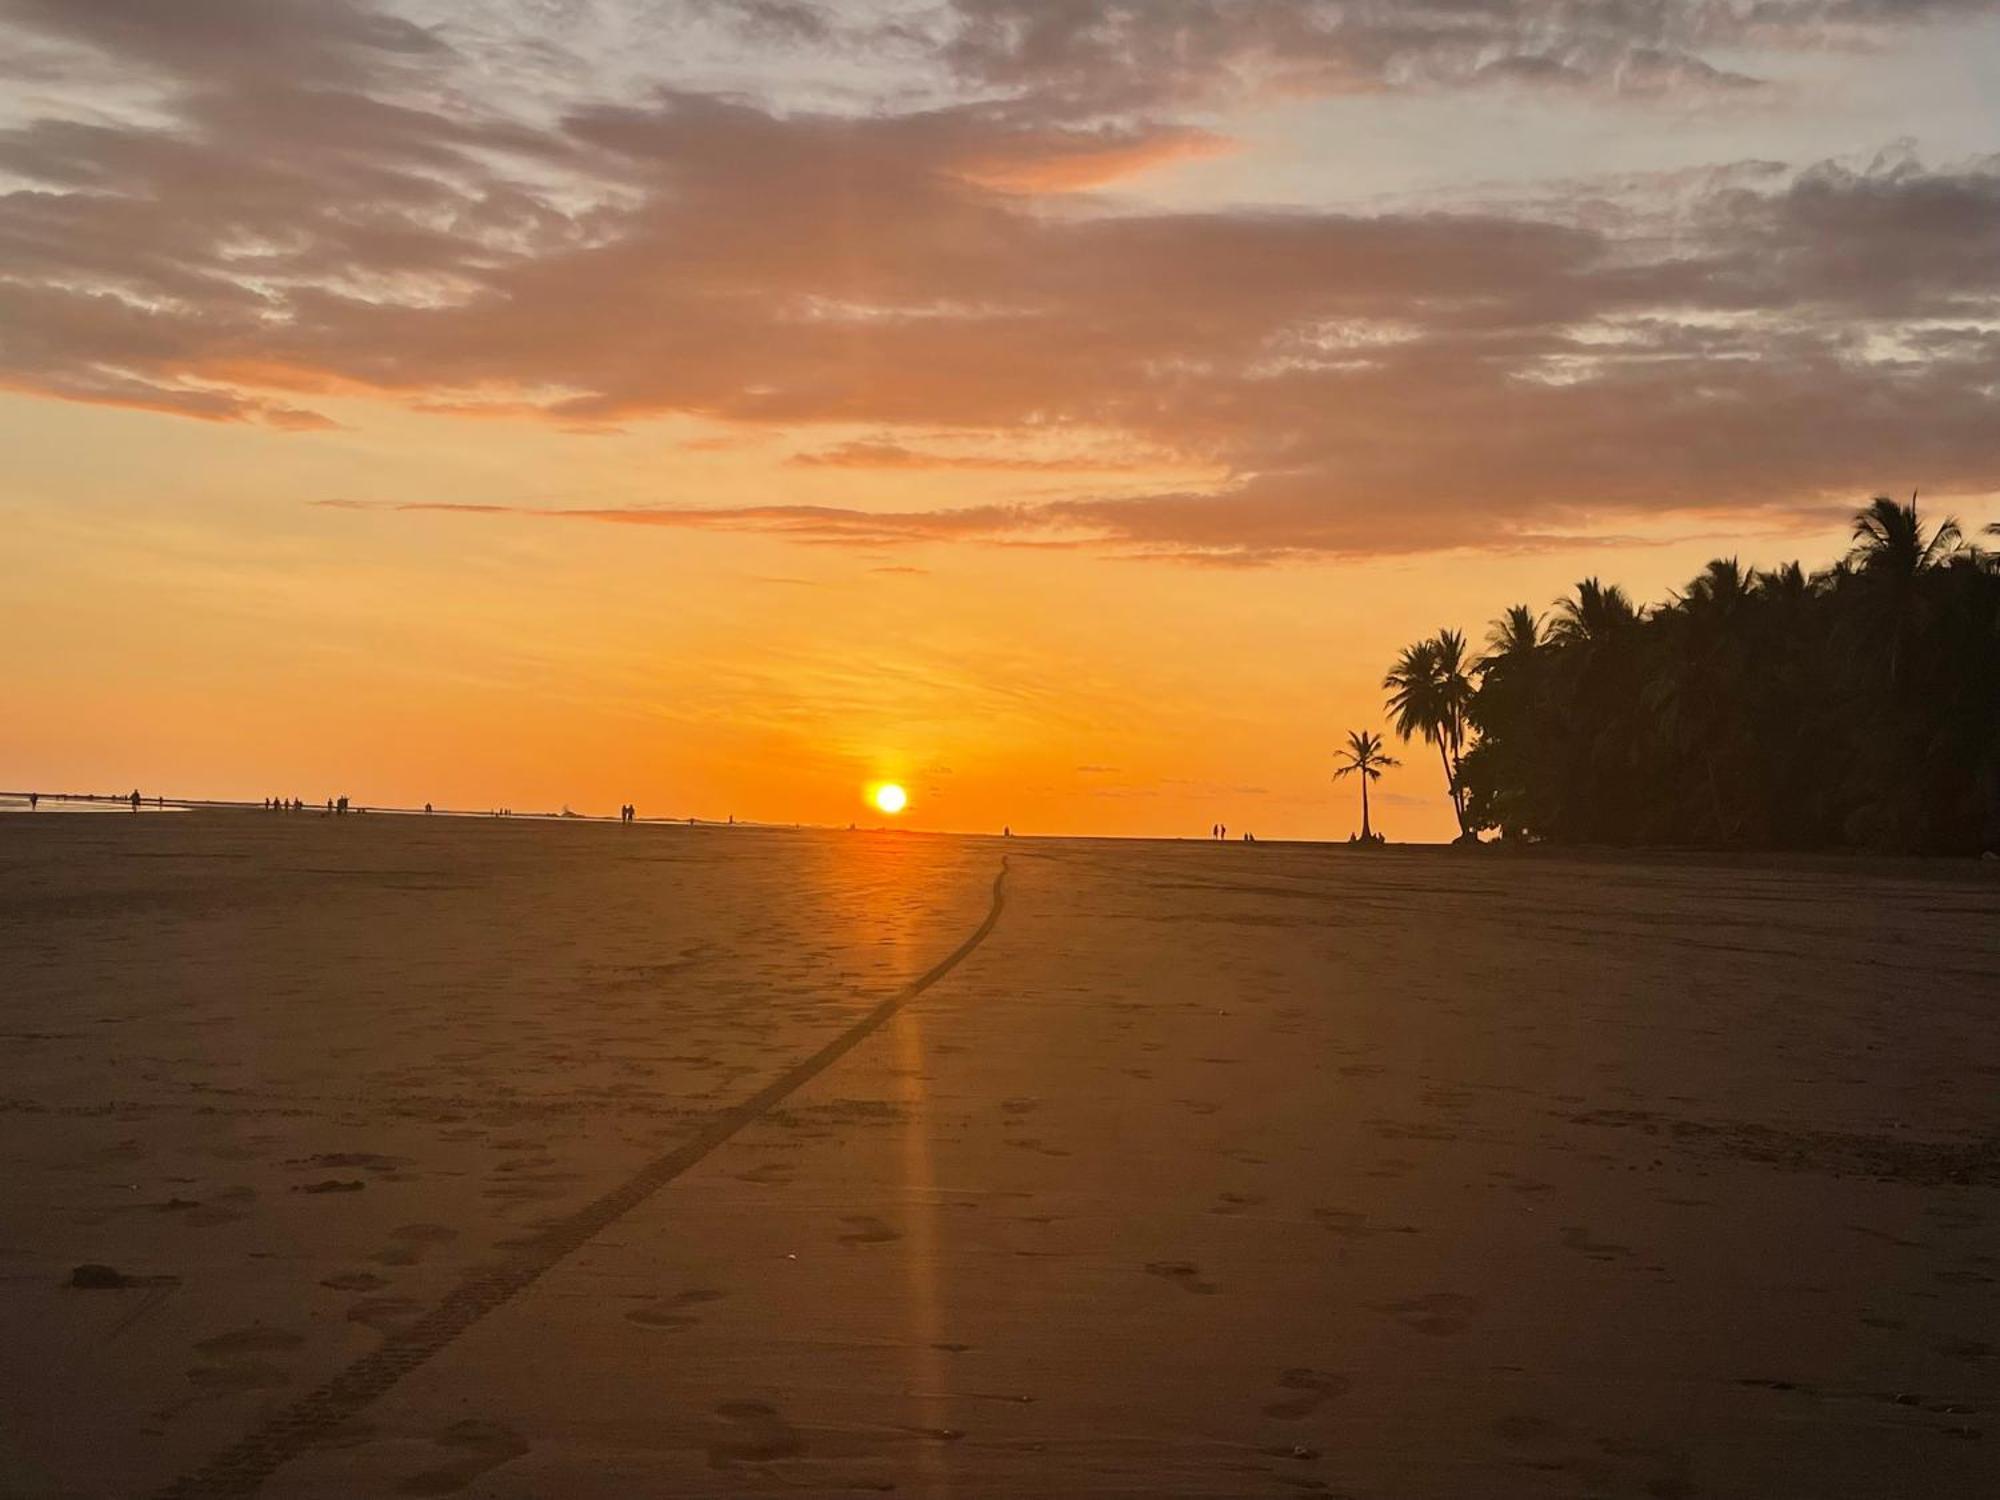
928,1396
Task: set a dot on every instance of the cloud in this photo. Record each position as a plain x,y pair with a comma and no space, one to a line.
311,205
1146,53
891,455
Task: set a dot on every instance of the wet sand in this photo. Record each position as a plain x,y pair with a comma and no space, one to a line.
518,1160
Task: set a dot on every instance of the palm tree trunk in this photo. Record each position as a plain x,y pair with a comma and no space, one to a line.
1451,785
1365,832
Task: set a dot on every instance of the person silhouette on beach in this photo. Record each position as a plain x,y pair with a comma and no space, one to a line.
135,799
1222,830
33,798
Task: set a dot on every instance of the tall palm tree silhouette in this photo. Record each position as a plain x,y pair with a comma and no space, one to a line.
1891,556
1430,690
1363,755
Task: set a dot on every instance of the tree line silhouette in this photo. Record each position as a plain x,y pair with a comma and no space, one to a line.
1857,706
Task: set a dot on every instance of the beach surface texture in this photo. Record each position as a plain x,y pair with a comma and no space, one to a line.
429,1156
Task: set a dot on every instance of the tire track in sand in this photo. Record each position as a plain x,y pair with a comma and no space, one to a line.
242,1468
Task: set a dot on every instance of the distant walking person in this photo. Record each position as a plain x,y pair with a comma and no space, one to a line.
135,799
33,798
1222,830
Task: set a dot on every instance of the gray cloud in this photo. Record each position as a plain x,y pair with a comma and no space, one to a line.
1128,52
1515,376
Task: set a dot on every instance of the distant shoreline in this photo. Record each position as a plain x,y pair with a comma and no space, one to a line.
1825,861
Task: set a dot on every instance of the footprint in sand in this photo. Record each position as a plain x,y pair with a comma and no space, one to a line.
1308,1390
753,1434
367,1161
240,1375
480,1446
413,1242
1439,1314
669,1314
253,1340
1039,1147
1236,1203
660,1317
355,1281
384,1314
1184,1274
1522,1430
1577,1237
865,1229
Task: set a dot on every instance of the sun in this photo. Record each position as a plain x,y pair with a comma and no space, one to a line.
891,798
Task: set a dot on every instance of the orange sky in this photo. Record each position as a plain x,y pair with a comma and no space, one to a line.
1067,423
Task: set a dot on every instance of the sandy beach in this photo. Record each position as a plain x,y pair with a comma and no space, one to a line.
482,1157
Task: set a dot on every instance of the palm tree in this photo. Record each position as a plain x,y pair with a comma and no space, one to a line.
1719,588
1890,557
1513,636
1429,693
1785,708
1598,612
1889,538
1363,754
1789,583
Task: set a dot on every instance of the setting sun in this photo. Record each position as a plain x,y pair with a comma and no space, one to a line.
891,798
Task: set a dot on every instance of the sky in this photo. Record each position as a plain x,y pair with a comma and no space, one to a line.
1063,408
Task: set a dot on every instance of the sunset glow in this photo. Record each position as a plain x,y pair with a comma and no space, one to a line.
890,798
454,404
